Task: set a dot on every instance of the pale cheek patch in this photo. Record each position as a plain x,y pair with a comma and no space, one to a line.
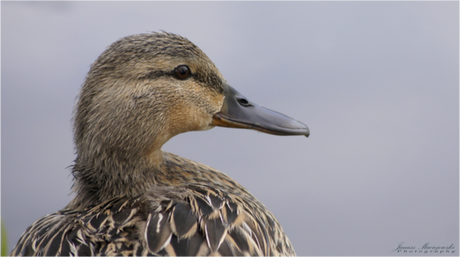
187,117
210,101
194,109
217,102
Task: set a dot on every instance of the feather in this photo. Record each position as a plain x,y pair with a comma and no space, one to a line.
229,249
158,233
204,207
183,221
215,233
187,246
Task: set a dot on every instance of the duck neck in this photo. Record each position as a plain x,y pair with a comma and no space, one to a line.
105,177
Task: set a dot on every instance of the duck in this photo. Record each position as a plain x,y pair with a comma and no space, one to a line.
132,198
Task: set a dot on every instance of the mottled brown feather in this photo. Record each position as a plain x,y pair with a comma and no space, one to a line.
157,236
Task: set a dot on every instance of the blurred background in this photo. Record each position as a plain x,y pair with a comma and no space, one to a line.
376,82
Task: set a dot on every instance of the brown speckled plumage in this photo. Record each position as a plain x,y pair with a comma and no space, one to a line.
130,197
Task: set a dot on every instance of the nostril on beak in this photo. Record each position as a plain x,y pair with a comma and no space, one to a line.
243,102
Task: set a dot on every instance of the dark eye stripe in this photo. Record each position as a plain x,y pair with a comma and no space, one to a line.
210,80
157,74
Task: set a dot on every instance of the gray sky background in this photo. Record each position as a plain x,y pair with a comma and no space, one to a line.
376,82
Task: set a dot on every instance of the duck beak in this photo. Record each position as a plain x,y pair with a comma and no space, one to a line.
238,112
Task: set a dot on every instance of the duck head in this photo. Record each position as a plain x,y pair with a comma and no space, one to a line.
144,89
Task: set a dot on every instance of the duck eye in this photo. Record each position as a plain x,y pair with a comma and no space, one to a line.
182,72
